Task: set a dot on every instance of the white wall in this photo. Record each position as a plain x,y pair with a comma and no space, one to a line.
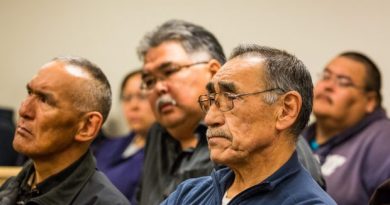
107,33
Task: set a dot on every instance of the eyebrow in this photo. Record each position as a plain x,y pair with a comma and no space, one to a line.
160,68
50,97
210,87
144,74
164,66
227,86
327,70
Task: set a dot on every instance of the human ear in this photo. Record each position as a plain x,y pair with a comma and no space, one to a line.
290,106
89,126
213,66
371,101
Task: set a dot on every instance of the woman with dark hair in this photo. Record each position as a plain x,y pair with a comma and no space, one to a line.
121,158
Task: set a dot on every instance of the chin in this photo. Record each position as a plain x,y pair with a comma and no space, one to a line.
217,157
19,144
218,160
22,149
170,121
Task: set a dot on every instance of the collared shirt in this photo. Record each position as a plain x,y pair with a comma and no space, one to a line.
166,164
290,184
27,192
355,161
83,185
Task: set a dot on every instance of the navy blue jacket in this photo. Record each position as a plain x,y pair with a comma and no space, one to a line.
291,184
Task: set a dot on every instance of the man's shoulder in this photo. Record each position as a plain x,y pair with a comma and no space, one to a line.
375,134
195,190
302,189
379,125
101,191
156,128
155,134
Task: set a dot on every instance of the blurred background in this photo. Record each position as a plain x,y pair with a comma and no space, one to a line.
108,32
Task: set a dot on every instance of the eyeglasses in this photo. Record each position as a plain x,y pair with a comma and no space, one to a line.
139,96
340,80
225,100
167,70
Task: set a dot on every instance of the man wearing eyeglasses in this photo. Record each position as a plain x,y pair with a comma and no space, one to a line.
179,59
256,106
351,132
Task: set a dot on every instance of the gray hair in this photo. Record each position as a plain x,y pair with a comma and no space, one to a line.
193,38
96,94
285,71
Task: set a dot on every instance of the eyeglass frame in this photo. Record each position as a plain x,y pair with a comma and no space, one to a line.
129,97
165,76
231,97
338,80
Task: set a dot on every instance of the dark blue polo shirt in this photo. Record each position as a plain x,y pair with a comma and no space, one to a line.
291,184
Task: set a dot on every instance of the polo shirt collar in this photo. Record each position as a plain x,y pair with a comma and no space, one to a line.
292,166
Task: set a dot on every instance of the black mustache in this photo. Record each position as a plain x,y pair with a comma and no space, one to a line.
326,97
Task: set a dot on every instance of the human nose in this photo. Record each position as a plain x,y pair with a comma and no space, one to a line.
161,86
133,104
214,117
327,81
27,108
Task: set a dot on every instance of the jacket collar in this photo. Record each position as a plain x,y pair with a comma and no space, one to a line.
348,133
223,178
66,190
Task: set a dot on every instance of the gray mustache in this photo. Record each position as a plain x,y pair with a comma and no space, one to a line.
218,133
165,99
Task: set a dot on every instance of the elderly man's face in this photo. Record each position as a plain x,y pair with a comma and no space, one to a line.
174,96
48,120
234,136
339,94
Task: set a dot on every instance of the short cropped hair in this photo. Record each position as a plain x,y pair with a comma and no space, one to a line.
193,38
96,94
286,72
373,80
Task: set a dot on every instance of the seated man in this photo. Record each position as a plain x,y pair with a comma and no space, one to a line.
256,106
67,103
179,59
351,132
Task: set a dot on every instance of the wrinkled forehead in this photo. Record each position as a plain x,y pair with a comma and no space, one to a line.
166,52
237,74
171,52
57,74
59,68
65,69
